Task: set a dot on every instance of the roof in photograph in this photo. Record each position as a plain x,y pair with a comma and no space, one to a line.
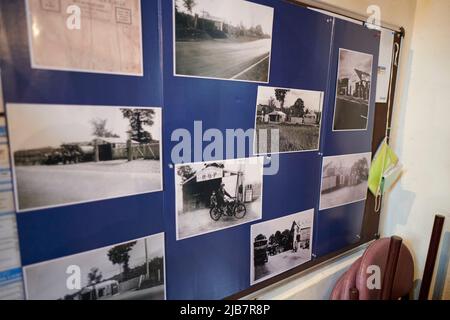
226,172
277,113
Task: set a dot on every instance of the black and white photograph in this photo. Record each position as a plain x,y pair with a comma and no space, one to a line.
216,39
212,196
344,179
281,244
354,82
134,270
67,154
295,113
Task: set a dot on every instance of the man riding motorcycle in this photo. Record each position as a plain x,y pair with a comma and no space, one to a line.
220,196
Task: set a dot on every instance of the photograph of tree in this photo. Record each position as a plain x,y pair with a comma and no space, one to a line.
296,114
344,179
354,81
281,244
212,196
133,270
219,39
71,154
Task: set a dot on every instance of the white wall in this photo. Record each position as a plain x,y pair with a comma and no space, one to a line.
420,133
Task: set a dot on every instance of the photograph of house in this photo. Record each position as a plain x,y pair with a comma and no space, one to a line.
281,244
296,114
65,155
199,185
133,270
344,179
218,39
353,88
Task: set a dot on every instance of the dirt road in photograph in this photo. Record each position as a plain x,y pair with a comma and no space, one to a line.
282,262
222,58
199,221
343,196
43,186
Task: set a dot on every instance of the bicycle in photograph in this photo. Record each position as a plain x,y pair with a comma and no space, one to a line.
232,208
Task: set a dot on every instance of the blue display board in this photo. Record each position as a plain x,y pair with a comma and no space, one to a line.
304,55
54,233
340,227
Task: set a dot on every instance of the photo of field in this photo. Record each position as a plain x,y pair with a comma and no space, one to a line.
223,39
292,114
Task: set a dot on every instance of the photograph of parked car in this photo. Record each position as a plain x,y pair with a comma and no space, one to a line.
67,154
218,39
281,244
344,179
133,270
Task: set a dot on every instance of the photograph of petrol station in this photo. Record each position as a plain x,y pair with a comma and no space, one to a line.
212,196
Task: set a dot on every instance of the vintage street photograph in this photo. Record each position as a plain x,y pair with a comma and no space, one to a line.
354,81
67,154
133,270
230,40
297,114
212,196
344,179
280,245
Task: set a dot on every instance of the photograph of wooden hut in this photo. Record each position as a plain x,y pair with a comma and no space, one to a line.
295,113
218,39
344,179
212,196
281,244
354,81
133,270
65,154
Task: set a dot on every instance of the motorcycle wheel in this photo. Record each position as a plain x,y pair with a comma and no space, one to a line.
240,211
215,213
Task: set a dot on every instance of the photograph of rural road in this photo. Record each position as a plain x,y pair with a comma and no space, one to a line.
127,271
223,39
66,155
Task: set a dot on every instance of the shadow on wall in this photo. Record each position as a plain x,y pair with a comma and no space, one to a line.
400,209
442,287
